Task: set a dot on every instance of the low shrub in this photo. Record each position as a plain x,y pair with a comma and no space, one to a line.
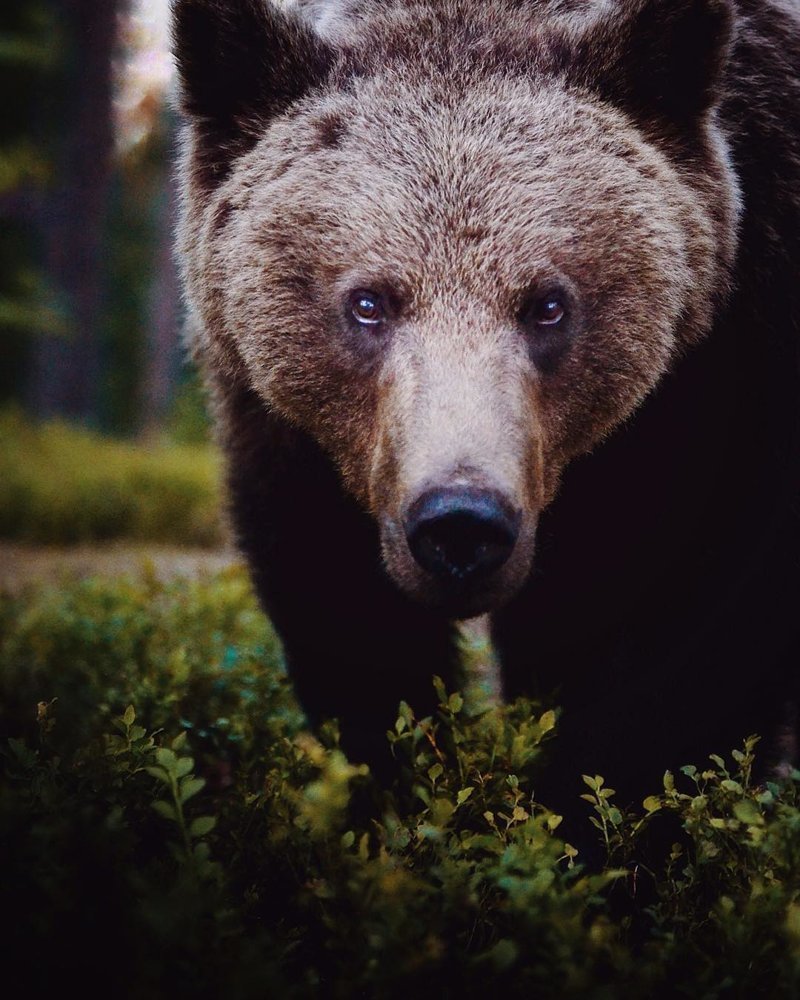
172,829
61,485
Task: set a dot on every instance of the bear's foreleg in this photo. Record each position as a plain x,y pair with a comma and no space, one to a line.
354,645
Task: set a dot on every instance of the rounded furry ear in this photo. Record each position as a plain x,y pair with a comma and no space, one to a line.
663,60
240,63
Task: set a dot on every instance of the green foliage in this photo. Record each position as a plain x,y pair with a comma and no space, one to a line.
175,831
61,484
188,421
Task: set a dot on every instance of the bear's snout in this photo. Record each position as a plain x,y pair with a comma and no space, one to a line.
461,535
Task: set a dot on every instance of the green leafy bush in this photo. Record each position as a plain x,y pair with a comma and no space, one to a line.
60,485
172,829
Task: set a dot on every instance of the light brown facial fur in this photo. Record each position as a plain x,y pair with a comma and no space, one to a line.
457,197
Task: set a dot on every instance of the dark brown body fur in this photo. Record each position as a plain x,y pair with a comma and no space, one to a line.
684,569
662,604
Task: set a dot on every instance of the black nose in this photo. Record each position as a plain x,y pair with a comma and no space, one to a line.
461,534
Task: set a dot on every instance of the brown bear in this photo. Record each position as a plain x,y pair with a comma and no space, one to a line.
498,306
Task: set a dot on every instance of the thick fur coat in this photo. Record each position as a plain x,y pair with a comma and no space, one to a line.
540,252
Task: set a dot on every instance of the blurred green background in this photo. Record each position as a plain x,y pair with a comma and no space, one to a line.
89,300
90,306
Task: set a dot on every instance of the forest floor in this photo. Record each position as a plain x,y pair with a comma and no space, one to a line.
24,565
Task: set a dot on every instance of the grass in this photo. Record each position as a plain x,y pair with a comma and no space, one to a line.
172,829
61,485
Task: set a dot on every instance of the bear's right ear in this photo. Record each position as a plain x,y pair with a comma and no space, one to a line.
240,63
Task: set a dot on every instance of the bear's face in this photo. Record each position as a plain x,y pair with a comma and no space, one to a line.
455,284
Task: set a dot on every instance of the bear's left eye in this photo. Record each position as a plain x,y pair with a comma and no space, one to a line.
549,318
544,311
366,307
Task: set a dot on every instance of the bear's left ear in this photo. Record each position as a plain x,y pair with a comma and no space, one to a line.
240,63
660,59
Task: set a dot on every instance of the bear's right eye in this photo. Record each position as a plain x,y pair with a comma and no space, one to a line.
367,308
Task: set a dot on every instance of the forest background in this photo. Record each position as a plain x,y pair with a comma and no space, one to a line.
90,307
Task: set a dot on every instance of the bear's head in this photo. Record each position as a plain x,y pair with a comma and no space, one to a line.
455,242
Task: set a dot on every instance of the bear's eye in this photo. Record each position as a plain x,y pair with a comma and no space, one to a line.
367,308
544,310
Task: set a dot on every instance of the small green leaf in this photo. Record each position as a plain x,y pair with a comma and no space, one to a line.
423,794
441,811
129,717
190,787
547,721
503,954
160,773
591,782
464,794
179,741
166,810
201,851
166,758
348,839
747,812
201,826
183,766
455,703
435,772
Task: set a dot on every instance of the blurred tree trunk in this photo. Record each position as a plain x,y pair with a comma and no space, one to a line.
67,368
162,353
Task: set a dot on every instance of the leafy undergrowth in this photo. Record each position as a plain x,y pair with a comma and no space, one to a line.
171,829
61,484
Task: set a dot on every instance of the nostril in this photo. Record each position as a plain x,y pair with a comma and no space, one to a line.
461,534
459,545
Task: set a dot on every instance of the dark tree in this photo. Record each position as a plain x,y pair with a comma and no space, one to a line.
67,367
